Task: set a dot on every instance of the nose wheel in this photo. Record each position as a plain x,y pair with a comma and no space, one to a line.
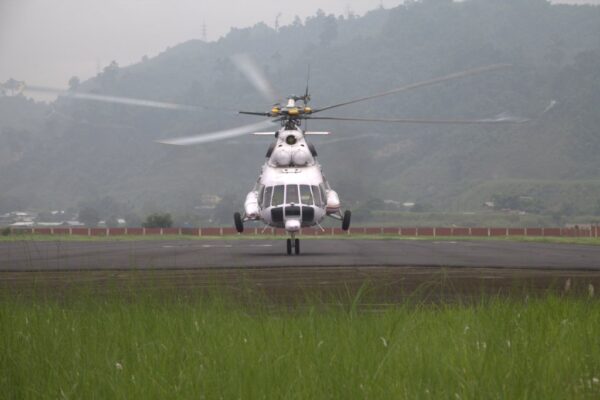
293,246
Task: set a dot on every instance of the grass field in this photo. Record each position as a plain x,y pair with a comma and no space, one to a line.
136,345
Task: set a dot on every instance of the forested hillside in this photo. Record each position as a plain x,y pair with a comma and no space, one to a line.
68,152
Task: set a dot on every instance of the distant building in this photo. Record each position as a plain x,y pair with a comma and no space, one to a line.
392,203
579,226
22,224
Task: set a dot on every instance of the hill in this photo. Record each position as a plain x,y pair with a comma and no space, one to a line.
68,153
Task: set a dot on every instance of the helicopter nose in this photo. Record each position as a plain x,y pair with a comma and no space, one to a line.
292,225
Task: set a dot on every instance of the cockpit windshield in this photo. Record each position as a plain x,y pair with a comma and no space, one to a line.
291,194
277,196
306,195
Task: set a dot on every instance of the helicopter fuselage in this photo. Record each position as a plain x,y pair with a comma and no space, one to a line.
291,191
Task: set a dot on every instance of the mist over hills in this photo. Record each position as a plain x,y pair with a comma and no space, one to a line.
68,152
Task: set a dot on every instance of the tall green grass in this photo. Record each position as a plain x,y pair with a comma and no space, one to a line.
150,346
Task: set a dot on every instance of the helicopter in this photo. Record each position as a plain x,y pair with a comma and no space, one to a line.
291,191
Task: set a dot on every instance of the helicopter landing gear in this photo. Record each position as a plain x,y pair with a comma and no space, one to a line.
239,225
293,243
346,220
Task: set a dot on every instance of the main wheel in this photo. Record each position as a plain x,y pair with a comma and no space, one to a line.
297,246
346,220
239,225
289,247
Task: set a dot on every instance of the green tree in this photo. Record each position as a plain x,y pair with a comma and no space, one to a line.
158,220
89,216
74,83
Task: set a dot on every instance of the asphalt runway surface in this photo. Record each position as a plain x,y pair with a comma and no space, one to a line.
393,270
198,254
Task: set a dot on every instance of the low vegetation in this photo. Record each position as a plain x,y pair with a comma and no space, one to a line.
158,220
149,346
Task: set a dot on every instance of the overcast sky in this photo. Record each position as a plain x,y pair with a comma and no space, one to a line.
46,42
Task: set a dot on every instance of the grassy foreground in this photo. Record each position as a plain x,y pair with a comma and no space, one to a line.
149,347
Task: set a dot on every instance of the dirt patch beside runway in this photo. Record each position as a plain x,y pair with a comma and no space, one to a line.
376,285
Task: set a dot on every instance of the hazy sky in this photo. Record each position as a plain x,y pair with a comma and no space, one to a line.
47,41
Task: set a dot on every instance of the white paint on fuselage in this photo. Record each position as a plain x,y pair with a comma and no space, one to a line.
274,174
311,175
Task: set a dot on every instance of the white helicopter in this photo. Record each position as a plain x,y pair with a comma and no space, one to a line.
291,191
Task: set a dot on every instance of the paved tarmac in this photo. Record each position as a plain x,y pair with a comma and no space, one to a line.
323,253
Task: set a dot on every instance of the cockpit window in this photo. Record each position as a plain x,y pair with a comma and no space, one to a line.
323,194
261,192
267,197
277,196
291,194
317,195
305,195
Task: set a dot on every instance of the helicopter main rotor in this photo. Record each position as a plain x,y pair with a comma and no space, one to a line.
288,114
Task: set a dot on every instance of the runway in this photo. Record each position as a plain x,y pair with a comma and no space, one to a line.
321,253
396,271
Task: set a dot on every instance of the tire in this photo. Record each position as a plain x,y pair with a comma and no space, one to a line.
239,225
289,247
346,220
297,246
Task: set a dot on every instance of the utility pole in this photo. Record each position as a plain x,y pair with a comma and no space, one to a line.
277,22
349,12
204,31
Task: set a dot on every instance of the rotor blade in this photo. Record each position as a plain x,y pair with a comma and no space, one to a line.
262,114
255,75
502,119
412,86
219,135
112,99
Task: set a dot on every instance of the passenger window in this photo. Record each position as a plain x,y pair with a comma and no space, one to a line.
267,197
277,196
305,195
291,194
